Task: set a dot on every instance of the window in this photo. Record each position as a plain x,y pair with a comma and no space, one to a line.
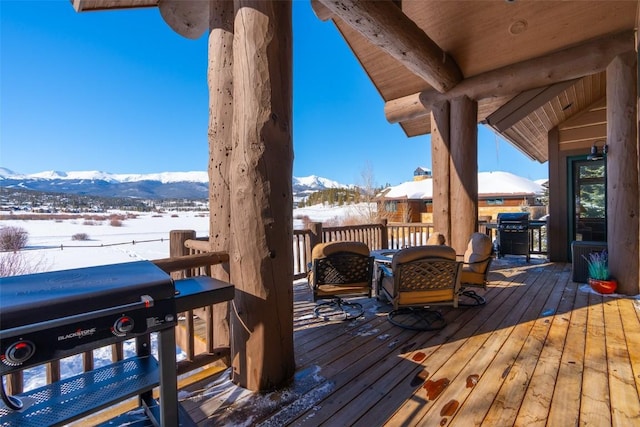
498,201
391,206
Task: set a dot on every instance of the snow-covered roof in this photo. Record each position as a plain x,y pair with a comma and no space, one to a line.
489,184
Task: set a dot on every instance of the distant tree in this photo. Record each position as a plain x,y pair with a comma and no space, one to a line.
369,191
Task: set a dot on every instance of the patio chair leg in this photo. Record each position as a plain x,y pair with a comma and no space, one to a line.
417,319
477,299
338,309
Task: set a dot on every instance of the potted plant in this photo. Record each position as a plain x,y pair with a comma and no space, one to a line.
599,278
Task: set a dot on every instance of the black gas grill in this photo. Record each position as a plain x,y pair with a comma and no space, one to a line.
513,234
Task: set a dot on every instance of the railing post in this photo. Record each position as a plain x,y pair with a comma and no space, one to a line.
315,237
177,248
384,234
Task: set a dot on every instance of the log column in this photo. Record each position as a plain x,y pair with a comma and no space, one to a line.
464,171
440,154
220,79
262,201
623,205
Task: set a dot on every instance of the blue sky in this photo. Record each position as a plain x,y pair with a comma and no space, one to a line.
120,92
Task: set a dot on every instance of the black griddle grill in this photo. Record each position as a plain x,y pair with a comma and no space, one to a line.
48,316
56,314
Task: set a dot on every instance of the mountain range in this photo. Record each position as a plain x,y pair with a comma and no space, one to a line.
164,185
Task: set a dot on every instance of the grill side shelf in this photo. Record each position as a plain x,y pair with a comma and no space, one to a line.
73,398
199,291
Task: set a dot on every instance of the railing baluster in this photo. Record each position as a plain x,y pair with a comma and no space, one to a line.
53,371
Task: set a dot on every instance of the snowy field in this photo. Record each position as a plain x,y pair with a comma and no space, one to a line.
145,237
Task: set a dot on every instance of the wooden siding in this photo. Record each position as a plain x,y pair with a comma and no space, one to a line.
542,351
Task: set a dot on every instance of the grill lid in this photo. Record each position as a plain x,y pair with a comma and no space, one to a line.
513,217
56,294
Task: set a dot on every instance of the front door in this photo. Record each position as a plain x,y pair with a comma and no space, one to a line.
589,200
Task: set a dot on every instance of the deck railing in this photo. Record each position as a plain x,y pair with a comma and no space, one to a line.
384,235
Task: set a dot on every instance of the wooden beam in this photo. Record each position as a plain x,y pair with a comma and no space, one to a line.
385,25
571,63
321,11
190,19
524,104
623,221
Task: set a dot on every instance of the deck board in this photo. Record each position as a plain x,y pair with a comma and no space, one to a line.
542,351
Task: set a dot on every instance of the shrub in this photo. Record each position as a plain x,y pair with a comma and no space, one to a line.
13,238
16,264
80,236
115,222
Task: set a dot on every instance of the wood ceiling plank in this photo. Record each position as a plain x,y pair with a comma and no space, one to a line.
598,130
596,113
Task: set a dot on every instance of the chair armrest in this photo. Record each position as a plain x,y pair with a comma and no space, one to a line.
479,262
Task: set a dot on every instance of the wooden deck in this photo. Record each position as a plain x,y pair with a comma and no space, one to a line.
542,351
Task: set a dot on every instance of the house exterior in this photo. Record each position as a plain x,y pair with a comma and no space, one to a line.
421,173
412,201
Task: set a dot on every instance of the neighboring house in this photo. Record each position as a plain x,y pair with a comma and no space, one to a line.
421,173
497,192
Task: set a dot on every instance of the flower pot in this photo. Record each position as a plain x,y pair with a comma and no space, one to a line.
603,286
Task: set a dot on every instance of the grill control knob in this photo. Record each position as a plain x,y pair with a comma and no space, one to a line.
18,353
122,326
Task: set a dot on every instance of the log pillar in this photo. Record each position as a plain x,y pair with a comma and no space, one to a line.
440,167
463,185
220,80
262,201
623,204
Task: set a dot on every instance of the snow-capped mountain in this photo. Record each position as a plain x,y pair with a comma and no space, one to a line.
163,185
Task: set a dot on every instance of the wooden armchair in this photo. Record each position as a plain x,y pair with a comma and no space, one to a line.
420,277
340,270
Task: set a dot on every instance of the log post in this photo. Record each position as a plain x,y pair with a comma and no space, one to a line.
622,173
177,248
464,171
220,80
262,203
440,155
